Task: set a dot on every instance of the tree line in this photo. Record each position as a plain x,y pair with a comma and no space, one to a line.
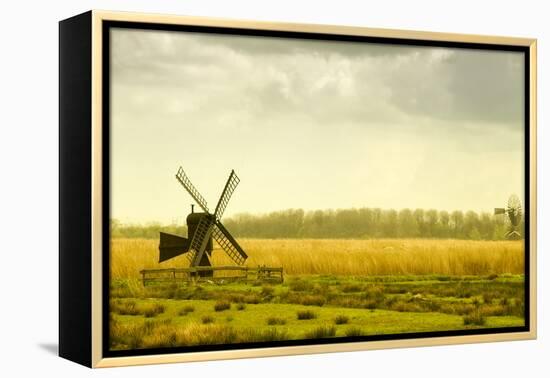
147,231
347,223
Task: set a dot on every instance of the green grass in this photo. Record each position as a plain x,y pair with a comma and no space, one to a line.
310,307
361,321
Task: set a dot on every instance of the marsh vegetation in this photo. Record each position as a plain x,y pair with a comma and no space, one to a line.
332,288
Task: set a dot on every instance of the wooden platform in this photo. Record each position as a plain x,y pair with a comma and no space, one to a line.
212,273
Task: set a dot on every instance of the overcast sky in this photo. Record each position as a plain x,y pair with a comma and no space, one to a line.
310,124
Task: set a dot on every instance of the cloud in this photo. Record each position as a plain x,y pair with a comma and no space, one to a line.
462,85
385,125
326,81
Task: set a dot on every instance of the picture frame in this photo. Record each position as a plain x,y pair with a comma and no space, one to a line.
88,149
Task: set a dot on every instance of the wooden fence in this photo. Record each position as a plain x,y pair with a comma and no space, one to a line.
212,273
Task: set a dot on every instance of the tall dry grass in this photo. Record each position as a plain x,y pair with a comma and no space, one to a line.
343,257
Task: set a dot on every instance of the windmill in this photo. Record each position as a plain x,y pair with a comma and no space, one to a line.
202,227
514,212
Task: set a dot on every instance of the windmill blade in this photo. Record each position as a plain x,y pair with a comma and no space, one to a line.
514,202
228,190
200,240
514,210
171,246
228,243
186,183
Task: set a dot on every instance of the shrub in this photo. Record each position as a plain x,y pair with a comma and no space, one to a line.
488,298
353,331
351,288
494,310
127,288
222,306
207,319
375,293
149,310
321,289
341,319
300,285
267,291
348,301
321,332
475,318
188,308
517,308
211,334
140,335
369,304
305,315
406,307
312,300
275,321
252,298
389,301
153,310
270,334
457,308
125,307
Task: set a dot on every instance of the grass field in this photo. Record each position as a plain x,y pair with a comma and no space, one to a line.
332,288
343,257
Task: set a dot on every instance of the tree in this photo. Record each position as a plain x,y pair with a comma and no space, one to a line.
471,225
343,223
420,221
431,223
407,226
486,226
457,219
389,223
444,220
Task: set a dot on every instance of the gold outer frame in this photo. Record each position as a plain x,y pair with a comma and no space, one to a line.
97,280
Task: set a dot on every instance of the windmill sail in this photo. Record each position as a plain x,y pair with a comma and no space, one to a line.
228,190
228,243
514,210
200,240
186,183
171,246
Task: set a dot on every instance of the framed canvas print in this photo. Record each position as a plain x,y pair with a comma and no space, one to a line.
234,189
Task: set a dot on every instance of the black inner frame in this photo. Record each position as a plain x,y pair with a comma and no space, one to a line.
106,84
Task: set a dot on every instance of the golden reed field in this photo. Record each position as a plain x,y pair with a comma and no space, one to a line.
343,256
